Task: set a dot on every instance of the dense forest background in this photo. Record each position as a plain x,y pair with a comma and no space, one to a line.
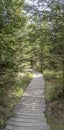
31,37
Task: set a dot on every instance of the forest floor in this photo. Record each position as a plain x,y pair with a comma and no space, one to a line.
12,87
54,100
55,114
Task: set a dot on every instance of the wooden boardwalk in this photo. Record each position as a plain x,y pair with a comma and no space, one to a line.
29,112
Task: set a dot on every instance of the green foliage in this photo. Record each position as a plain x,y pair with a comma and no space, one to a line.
12,20
53,84
49,74
52,91
12,87
37,43
49,42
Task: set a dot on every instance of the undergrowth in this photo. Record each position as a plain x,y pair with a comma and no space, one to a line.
12,87
54,96
53,84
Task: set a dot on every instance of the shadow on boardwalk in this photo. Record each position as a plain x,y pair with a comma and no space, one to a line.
29,112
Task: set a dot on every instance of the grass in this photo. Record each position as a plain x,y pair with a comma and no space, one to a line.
54,99
53,84
12,87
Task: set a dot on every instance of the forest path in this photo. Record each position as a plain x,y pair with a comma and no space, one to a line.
29,112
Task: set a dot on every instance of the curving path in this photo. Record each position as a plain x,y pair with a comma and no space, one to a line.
29,112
